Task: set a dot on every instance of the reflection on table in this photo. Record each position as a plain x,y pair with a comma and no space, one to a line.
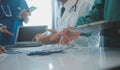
74,58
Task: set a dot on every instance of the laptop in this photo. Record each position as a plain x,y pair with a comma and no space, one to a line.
25,34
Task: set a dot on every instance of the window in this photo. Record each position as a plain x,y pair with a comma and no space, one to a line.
42,15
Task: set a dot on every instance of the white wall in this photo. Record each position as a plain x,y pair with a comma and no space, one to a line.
42,15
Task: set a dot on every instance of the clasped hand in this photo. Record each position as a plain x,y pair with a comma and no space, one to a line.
45,37
68,36
54,37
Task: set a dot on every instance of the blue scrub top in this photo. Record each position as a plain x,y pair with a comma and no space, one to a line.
12,22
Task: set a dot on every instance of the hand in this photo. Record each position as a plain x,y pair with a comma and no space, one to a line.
24,15
69,36
52,31
36,37
55,37
67,29
4,30
45,38
1,49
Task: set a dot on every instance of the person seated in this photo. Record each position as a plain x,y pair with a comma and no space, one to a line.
72,10
107,10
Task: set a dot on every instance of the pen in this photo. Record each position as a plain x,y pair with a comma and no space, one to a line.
60,39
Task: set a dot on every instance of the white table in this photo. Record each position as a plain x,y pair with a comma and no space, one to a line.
72,59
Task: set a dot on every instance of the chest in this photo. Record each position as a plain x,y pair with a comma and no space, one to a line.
9,8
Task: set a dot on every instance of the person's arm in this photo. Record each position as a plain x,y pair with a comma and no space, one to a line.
24,11
69,36
95,14
4,30
1,49
45,37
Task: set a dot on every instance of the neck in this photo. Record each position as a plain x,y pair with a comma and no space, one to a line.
63,1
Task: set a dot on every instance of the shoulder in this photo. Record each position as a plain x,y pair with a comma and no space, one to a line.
86,4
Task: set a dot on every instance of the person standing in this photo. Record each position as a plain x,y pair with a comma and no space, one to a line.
5,31
11,16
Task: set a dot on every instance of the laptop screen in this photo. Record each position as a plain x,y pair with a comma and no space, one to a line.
26,33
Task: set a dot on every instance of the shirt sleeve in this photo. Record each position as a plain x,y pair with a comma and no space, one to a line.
95,14
23,5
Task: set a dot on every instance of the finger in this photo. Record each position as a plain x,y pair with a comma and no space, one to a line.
65,36
51,30
7,32
74,36
65,41
2,49
37,37
68,29
55,36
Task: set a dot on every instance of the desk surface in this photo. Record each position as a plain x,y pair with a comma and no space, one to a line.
79,58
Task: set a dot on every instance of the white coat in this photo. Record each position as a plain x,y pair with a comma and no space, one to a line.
70,19
70,16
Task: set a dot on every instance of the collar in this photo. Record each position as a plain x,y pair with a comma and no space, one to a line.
69,4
